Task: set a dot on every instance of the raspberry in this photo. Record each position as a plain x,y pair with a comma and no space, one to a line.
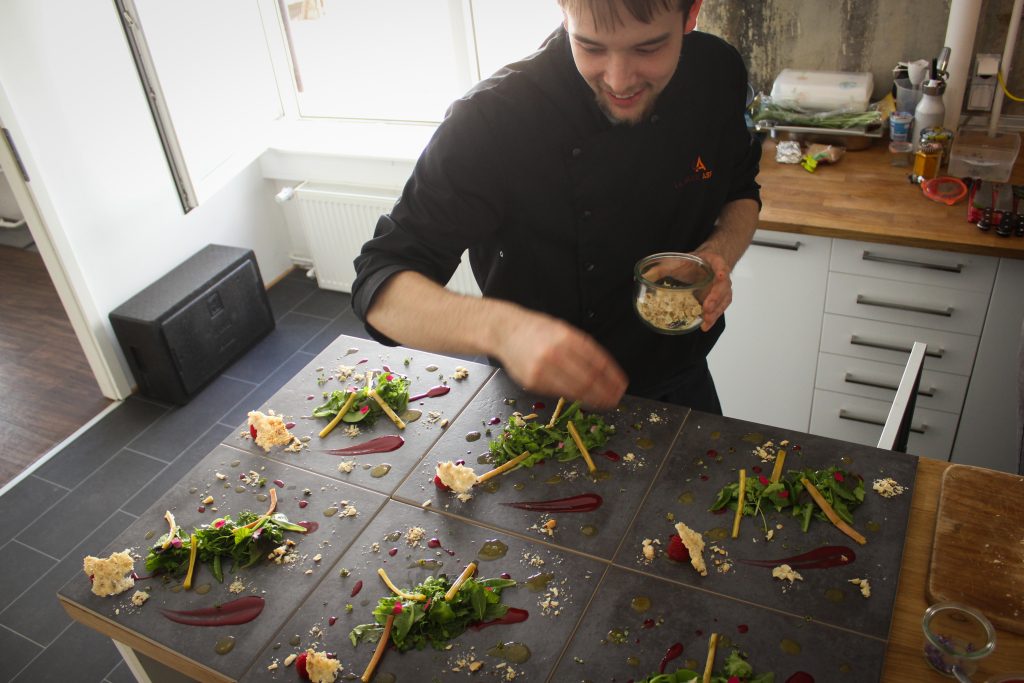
252,430
300,666
440,484
676,550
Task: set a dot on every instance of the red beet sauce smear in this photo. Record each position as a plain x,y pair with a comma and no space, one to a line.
670,654
436,543
432,392
382,444
820,558
513,616
232,613
310,527
612,455
800,677
356,588
585,502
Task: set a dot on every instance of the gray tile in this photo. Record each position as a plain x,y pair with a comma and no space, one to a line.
283,587
292,332
172,474
27,500
37,614
324,303
20,569
79,654
544,631
17,652
267,388
287,293
685,617
615,491
347,323
89,505
158,673
95,447
174,431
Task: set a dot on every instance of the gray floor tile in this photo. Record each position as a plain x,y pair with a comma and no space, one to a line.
29,498
287,293
268,388
17,652
95,447
120,674
325,303
37,614
292,332
176,430
346,323
90,504
79,654
19,570
170,476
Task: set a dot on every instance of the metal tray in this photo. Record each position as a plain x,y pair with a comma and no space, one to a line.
851,138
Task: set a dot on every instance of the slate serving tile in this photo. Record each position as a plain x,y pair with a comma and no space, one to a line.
297,399
283,587
708,455
619,640
644,430
544,632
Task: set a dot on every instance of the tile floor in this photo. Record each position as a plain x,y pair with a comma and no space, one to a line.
69,507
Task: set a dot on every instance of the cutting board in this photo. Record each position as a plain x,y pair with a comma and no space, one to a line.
978,551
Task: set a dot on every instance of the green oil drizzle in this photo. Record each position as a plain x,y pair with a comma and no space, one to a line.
492,550
224,645
380,470
790,647
538,582
835,595
517,653
686,498
644,442
719,533
472,436
640,604
753,437
588,529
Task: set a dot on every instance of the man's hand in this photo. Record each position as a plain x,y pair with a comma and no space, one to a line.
551,357
719,296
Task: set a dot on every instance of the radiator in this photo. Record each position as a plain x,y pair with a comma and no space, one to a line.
337,220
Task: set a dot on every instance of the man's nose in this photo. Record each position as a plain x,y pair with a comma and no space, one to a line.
618,75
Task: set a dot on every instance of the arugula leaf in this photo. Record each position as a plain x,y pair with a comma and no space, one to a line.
735,665
435,621
544,442
391,387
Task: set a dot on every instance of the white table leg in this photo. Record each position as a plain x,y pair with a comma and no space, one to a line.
134,665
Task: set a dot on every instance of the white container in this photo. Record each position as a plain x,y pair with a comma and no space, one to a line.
823,90
930,111
976,155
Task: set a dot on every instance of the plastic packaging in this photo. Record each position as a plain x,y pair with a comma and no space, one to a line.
900,124
788,152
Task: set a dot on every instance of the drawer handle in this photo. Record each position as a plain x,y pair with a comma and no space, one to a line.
868,301
870,256
858,341
789,246
853,379
845,415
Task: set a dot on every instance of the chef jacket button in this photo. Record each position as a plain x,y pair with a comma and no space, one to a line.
585,215
577,152
589,267
591,314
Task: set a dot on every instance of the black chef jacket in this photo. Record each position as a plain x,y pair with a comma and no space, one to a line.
556,204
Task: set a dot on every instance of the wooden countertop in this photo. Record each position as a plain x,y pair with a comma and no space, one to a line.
864,197
904,660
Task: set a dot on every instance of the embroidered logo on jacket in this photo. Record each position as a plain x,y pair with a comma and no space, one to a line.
699,172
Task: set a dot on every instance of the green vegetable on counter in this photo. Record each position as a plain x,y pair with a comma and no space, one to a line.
736,670
843,491
544,442
434,621
391,387
222,538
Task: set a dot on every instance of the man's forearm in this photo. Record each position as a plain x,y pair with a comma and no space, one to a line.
416,311
733,231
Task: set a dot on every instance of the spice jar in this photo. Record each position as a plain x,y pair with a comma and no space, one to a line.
900,153
927,160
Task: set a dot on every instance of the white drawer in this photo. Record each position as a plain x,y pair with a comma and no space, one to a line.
891,342
862,420
871,379
939,308
908,264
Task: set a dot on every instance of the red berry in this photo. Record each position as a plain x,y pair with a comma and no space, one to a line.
676,550
300,666
440,484
252,430
838,476
397,609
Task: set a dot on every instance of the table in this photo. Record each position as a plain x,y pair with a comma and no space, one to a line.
677,450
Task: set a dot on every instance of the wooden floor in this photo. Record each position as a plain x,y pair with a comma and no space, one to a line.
47,390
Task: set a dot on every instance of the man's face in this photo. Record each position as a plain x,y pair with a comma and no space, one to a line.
627,66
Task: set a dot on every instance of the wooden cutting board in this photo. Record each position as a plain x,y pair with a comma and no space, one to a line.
978,551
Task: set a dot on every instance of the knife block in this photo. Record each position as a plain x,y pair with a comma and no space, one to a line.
180,332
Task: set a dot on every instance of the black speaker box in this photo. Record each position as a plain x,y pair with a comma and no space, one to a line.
180,332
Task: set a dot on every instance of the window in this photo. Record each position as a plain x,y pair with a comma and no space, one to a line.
404,60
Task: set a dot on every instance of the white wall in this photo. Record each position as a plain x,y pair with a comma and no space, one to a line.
81,122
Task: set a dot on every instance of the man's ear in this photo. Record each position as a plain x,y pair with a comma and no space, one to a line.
691,18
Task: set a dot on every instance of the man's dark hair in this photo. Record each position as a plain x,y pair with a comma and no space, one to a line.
606,12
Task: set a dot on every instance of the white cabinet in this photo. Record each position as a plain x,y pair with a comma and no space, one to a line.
988,426
764,363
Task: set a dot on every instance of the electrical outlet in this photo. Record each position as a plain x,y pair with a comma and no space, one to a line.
982,89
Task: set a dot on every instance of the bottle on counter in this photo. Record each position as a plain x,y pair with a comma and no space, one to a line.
930,111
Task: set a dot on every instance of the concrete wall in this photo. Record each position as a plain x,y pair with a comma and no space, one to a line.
850,35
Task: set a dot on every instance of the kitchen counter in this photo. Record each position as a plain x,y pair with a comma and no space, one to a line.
864,197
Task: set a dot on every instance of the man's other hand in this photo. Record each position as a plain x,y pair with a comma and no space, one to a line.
720,295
